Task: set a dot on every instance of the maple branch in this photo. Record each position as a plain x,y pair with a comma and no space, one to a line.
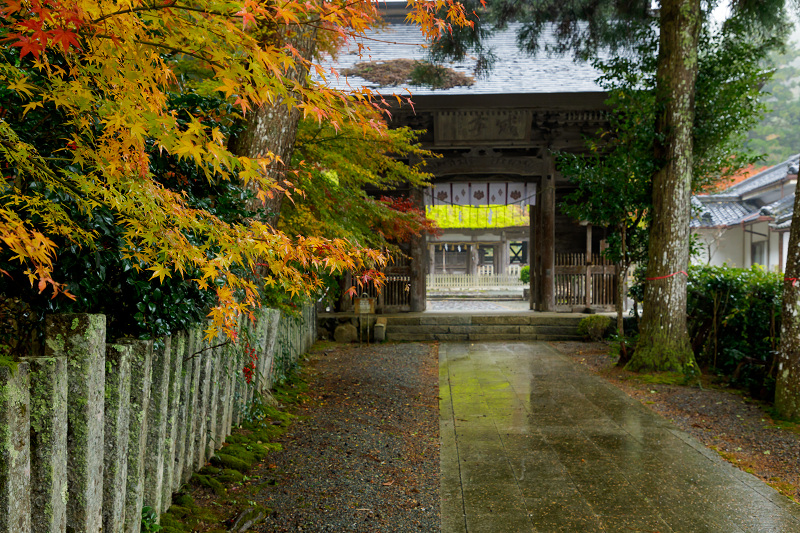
195,354
172,5
344,137
170,48
319,17
361,36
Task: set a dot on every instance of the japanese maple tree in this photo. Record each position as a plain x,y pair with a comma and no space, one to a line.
102,73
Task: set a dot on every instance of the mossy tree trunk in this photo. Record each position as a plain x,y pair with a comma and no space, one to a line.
787,387
271,130
664,340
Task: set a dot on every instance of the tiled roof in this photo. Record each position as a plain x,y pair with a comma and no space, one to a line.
708,211
514,71
729,207
764,178
781,211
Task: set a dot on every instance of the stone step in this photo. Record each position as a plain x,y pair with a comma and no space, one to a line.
463,327
455,337
481,328
484,330
488,320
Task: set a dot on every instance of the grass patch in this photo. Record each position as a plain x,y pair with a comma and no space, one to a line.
784,487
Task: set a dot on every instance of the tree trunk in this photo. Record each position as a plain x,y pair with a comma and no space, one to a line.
787,387
272,129
664,340
622,270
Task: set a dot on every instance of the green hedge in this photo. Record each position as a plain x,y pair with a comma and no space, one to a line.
734,324
525,274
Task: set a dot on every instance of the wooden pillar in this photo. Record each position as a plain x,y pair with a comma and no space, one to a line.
534,257
588,289
505,254
548,240
474,260
432,257
419,261
769,245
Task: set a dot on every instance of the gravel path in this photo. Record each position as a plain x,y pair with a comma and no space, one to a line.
364,455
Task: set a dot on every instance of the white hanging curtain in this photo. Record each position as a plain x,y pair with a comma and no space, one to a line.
481,194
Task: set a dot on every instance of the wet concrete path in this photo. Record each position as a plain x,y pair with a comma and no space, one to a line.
532,443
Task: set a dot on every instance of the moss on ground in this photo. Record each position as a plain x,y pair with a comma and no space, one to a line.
660,378
207,502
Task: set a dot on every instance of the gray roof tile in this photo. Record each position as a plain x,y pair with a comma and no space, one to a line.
708,211
763,178
514,71
728,207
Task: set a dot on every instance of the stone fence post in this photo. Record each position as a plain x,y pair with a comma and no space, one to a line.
178,350
157,425
117,428
15,453
141,379
82,339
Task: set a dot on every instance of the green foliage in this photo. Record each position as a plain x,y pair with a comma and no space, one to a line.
734,324
613,177
525,274
333,168
777,135
150,520
594,326
728,99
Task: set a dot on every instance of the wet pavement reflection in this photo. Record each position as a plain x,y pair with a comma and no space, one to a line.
532,443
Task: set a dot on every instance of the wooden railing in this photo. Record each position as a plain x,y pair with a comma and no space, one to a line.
458,281
574,278
488,270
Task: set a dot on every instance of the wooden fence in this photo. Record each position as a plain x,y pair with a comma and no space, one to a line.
466,281
582,284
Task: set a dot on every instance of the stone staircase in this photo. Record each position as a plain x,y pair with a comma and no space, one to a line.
500,327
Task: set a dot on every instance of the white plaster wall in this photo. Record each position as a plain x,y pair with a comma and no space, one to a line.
727,246
723,245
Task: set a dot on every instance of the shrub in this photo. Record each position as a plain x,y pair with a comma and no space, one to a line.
734,324
594,326
525,274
